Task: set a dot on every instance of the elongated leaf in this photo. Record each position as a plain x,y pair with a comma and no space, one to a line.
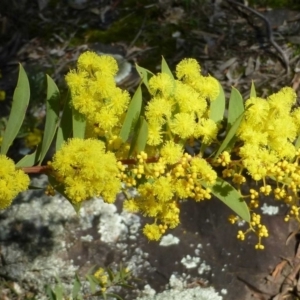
125,285
165,68
231,197
134,137
59,293
297,143
79,124
50,293
92,283
30,159
110,273
76,287
132,114
52,116
252,91
113,295
60,188
18,110
230,135
32,187
65,127
145,75
91,270
236,107
143,136
217,107
58,290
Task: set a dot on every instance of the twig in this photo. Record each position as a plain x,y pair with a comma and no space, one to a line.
138,34
270,36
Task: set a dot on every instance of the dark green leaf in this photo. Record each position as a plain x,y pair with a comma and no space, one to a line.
231,197
91,270
230,135
126,286
252,91
49,292
92,282
65,128
236,107
165,68
18,110
217,107
32,187
59,292
124,273
76,286
145,75
110,274
52,116
79,123
132,114
29,160
142,136
61,189
114,296
134,137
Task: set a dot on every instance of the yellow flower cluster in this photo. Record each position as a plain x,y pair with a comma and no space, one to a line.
86,170
180,107
256,226
12,181
268,131
293,213
102,278
94,93
268,151
33,138
175,176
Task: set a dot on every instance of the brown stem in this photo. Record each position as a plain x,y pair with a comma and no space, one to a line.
45,169
37,169
134,161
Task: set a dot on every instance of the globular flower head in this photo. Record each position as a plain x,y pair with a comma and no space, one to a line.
77,81
86,170
188,68
257,160
183,125
207,129
12,181
252,135
281,103
158,110
33,138
189,100
92,62
101,276
161,83
203,170
257,111
171,152
154,134
163,189
296,119
152,232
94,91
207,86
